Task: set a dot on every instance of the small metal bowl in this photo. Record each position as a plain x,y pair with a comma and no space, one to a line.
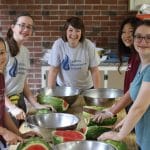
83,145
101,97
69,94
45,123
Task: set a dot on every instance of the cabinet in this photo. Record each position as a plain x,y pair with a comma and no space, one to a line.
110,77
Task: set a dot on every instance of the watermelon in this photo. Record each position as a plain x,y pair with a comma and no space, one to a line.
93,132
92,109
34,143
105,122
60,136
42,111
118,145
59,104
89,111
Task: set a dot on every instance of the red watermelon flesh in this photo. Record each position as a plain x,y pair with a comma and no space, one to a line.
34,143
60,136
36,147
65,105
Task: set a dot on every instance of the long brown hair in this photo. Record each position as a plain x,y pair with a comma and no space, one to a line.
13,46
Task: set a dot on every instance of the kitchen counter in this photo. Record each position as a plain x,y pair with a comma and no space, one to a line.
76,109
105,68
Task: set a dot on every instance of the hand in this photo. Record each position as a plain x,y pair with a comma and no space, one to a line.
102,115
10,137
29,134
17,112
110,135
119,125
39,106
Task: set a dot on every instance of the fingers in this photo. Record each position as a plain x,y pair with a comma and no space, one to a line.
30,134
106,136
100,117
14,141
97,118
21,116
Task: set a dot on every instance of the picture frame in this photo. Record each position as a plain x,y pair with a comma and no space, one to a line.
134,5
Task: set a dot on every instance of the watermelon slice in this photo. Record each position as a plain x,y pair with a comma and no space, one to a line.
34,143
58,103
60,136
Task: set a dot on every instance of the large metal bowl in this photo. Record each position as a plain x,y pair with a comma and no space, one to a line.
83,145
102,96
69,94
45,123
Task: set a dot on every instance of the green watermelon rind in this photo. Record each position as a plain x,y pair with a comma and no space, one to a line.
42,111
31,141
118,145
57,103
93,132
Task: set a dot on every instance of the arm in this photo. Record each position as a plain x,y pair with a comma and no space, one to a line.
11,133
134,115
116,108
52,75
122,103
9,124
95,77
28,94
33,99
137,110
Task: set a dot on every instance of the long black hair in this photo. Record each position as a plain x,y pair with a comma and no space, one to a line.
122,49
13,46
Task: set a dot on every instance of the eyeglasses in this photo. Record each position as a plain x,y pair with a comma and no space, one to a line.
139,38
23,26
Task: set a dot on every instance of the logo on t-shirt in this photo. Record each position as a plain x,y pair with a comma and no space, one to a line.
13,69
68,64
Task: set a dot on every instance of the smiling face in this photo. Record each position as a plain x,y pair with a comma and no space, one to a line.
142,40
127,35
73,36
23,28
2,56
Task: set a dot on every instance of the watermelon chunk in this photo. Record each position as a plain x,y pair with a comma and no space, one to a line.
60,136
58,103
118,145
93,132
34,143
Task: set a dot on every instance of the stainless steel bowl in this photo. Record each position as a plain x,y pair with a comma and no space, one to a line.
69,94
102,96
83,145
45,123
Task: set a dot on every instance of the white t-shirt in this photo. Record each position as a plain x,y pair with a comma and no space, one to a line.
74,63
16,71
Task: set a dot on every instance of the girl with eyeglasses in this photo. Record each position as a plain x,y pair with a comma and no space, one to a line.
17,68
139,93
